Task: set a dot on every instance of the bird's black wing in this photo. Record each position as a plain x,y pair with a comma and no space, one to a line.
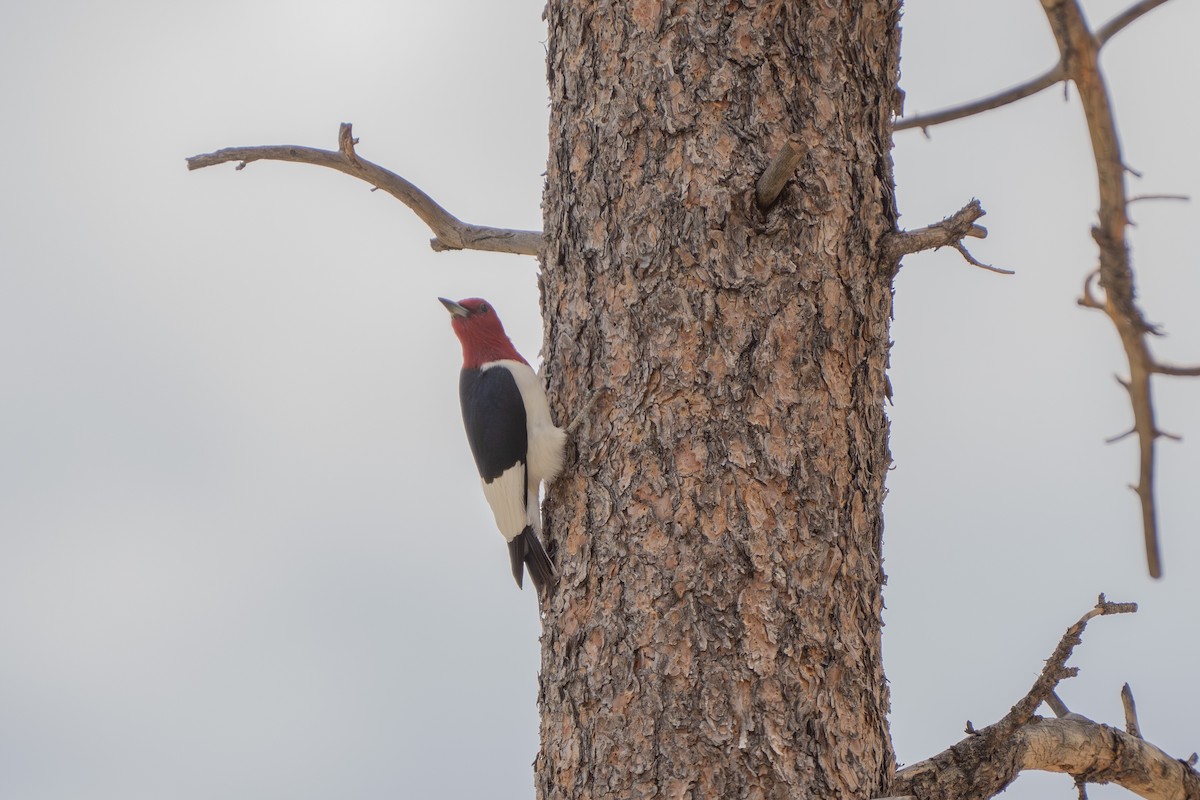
494,418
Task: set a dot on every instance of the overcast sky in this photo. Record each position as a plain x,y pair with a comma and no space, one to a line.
243,553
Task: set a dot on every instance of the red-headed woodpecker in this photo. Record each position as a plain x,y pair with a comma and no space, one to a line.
515,443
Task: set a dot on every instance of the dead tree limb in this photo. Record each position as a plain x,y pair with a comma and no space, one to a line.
450,233
983,764
940,234
1056,669
1079,51
948,233
1095,753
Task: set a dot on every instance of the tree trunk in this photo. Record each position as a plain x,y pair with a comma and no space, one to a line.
716,630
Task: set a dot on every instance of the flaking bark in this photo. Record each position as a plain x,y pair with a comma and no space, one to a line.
716,629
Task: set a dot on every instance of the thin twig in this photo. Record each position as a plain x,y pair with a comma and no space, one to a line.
1122,21
1120,436
450,233
1180,197
970,259
1170,369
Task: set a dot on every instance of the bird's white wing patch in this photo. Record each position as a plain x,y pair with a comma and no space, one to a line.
506,496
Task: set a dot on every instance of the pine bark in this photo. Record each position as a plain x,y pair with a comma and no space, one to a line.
716,629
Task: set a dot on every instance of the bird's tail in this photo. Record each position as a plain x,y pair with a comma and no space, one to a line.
526,550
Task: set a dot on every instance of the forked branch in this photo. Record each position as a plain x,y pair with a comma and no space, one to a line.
948,233
450,233
1031,87
988,760
1079,51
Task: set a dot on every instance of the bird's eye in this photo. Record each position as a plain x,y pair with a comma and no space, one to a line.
483,308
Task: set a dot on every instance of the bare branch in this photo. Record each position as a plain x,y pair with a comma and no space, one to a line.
1079,57
983,764
948,233
1031,87
1078,61
1097,753
1018,92
450,233
1089,751
1131,721
779,172
1056,666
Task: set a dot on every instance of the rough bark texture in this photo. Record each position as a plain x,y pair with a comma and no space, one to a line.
716,631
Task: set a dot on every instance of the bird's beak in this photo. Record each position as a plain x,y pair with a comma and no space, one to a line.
453,307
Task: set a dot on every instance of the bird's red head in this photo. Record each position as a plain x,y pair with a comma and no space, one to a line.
479,332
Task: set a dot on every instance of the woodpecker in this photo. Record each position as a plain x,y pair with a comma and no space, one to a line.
515,443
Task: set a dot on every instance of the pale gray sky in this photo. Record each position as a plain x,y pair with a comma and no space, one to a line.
242,550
